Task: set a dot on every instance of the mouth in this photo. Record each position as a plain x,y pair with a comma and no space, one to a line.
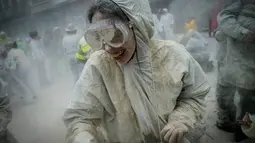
118,55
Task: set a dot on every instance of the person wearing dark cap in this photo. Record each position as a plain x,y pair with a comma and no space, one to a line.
36,47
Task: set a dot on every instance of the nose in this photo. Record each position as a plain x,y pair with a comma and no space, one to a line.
108,48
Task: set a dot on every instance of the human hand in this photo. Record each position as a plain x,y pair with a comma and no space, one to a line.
174,132
246,120
84,137
249,36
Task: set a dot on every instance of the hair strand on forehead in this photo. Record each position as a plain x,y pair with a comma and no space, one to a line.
108,8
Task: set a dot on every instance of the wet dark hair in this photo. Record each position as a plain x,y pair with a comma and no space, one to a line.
33,34
107,7
15,45
11,44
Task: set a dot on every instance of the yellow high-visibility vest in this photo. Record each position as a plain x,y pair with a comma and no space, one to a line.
83,50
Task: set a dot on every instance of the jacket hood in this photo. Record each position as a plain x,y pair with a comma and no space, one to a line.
139,13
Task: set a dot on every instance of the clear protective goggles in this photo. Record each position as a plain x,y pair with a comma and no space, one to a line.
109,32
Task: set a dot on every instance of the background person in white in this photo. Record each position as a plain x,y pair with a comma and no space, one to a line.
167,21
70,44
158,27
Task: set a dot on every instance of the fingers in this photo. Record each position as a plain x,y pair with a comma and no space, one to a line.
174,136
180,136
168,134
164,131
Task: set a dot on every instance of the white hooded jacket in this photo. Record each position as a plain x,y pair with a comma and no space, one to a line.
129,103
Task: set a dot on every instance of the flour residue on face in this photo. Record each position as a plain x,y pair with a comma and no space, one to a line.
108,34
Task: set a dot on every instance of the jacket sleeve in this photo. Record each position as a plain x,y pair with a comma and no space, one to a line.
190,105
85,110
229,25
80,55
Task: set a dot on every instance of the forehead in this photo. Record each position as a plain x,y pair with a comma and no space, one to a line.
98,16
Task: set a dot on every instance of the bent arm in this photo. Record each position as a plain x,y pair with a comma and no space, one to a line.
190,105
229,25
85,110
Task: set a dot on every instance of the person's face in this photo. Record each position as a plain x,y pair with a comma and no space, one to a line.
124,53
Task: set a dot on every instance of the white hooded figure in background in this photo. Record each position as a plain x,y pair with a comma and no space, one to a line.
22,71
38,58
70,41
158,27
167,21
70,44
36,46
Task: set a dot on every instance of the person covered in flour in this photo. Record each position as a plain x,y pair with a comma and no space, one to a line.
167,21
133,89
70,44
158,27
197,45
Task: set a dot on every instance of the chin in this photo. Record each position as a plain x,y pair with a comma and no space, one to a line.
122,62
125,60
